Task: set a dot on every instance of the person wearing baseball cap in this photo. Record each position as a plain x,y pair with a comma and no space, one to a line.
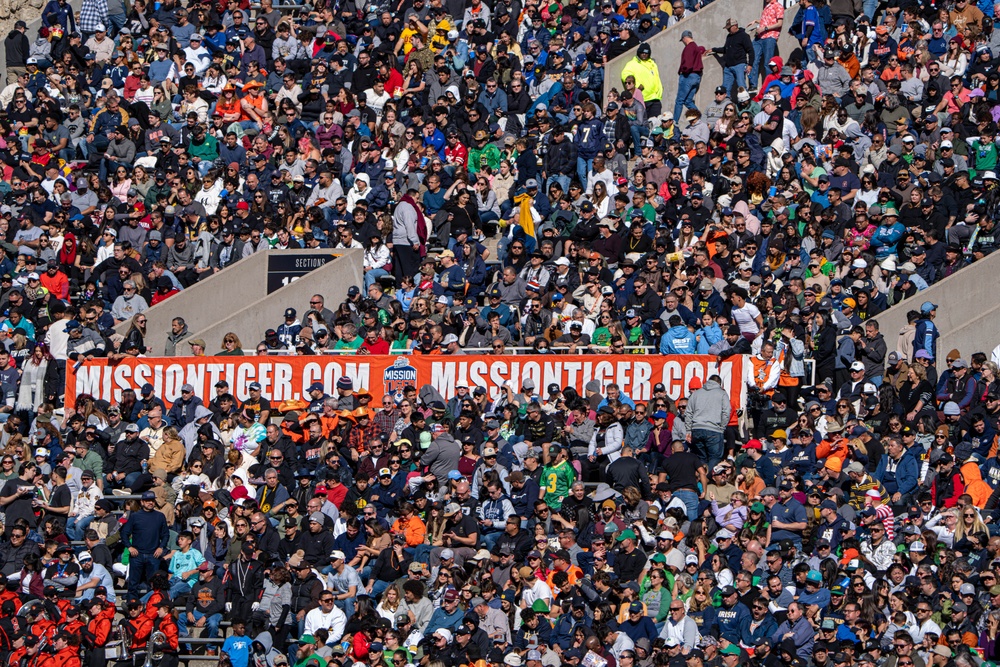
146,536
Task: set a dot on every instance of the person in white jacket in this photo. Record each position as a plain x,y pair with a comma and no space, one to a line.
328,616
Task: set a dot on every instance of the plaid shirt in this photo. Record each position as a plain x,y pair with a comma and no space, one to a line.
93,12
359,437
385,420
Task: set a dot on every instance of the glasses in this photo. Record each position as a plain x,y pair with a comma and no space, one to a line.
326,600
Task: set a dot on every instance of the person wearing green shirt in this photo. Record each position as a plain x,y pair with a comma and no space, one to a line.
350,340
483,154
203,149
557,478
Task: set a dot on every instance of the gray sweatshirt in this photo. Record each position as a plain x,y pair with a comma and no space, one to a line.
404,225
708,408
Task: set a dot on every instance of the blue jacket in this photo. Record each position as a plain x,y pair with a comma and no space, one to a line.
925,337
678,340
885,239
766,628
707,337
907,473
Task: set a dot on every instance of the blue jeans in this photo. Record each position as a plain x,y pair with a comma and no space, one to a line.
211,623
77,525
178,587
638,132
583,167
708,445
690,500
372,276
140,569
868,7
877,380
734,76
687,86
117,22
763,51
561,179
490,539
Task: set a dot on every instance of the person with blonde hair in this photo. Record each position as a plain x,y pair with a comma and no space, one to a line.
231,346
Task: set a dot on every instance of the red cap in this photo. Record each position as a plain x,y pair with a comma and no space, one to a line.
753,444
695,383
243,206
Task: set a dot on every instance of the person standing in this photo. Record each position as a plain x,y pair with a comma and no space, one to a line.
407,240
689,74
737,55
16,47
145,534
707,417
647,79
765,46
927,333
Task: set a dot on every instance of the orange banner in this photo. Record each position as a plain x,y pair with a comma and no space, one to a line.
286,378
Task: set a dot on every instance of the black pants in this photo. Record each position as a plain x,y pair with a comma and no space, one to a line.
653,108
405,262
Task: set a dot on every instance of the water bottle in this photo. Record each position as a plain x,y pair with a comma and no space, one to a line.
145,466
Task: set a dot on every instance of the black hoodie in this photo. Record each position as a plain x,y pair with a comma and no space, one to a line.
17,48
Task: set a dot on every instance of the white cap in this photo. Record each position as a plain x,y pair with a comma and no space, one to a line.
337,555
32,276
918,547
946,144
562,261
665,535
41,451
691,559
444,634
873,493
84,556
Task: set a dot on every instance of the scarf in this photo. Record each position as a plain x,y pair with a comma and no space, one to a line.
524,202
31,393
421,221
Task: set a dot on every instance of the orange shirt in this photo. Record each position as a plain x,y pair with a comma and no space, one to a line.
574,573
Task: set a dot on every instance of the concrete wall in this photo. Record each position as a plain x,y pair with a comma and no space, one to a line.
331,280
708,27
968,312
220,296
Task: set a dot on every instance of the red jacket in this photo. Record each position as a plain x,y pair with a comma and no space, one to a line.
68,657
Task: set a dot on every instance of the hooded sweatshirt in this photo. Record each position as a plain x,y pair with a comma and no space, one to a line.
679,340
708,408
974,484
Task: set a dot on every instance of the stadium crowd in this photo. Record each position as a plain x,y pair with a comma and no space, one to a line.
847,517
